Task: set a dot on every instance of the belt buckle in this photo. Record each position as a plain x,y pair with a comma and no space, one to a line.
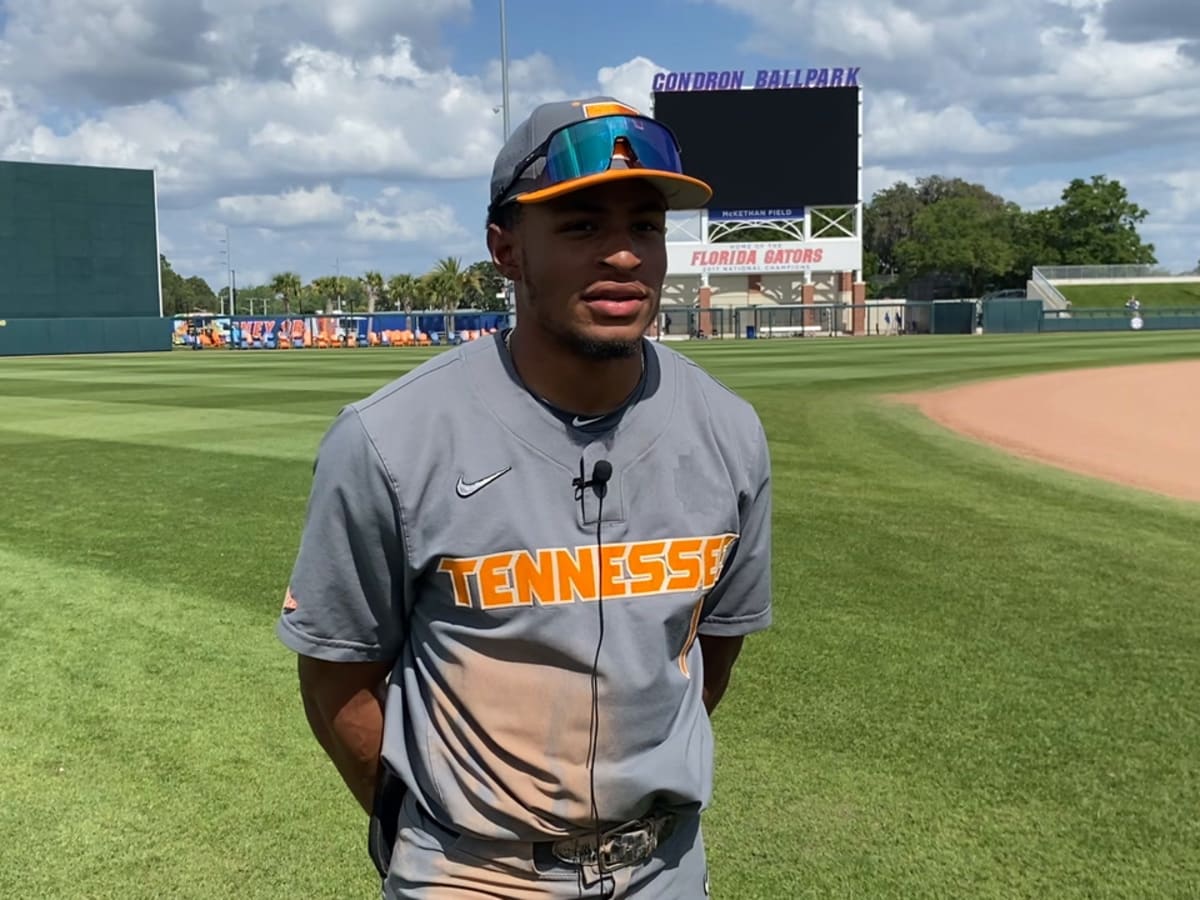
625,845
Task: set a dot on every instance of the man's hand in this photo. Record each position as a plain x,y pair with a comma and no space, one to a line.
719,654
344,706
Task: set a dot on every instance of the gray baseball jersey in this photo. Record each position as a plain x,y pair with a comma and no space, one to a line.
444,533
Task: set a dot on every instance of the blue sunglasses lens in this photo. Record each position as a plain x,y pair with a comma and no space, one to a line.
586,148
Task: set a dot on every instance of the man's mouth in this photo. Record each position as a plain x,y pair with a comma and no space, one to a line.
615,299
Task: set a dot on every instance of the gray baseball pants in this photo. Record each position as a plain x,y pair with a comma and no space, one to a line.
430,862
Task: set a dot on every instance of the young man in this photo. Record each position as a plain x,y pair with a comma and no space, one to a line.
529,564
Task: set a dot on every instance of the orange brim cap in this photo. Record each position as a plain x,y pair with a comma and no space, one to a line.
680,191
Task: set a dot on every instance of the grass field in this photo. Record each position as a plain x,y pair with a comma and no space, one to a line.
1113,296
982,681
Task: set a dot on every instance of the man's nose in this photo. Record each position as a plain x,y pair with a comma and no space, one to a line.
623,257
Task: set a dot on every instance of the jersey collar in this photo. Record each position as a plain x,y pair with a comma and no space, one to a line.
494,379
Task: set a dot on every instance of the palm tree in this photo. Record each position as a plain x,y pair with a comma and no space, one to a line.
326,289
373,283
286,285
449,282
401,293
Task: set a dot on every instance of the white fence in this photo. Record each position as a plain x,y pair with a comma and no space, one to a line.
1109,273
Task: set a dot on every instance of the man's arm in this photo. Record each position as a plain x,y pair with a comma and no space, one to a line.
719,654
344,706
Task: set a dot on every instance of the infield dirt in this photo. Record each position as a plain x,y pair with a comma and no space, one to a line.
1134,425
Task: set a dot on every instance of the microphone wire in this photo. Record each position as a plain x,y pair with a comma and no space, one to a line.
601,489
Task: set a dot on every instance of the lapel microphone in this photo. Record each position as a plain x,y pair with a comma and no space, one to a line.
601,473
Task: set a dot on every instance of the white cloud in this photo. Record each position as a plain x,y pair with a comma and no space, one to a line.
877,178
1185,199
532,80
877,30
300,206
1049,127
1099,69
14,121
898,129
437,223
1039,195
128,51
332,116
405,216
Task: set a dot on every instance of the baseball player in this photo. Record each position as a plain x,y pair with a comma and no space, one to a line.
529,564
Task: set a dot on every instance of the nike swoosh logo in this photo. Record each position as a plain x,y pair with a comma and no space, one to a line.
580,423
466,489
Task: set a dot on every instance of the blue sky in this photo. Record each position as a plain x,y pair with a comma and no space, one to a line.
360,134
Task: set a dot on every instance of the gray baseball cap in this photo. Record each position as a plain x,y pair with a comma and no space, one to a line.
530,185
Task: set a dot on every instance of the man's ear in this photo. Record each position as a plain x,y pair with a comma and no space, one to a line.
502,245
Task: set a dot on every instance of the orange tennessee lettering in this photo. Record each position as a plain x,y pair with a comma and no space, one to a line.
459,570
534,579
683,556
714,558
576,574
564,575
612,582
647,571
494,589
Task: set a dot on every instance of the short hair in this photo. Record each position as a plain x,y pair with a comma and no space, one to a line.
504,216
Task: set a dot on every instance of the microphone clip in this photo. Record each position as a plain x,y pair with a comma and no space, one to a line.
601,473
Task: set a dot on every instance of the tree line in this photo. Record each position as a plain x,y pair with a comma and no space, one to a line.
974,240
446,287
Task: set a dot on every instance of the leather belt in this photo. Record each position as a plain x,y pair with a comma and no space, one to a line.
623,845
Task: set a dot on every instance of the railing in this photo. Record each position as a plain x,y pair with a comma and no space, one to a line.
1051,296
1115,272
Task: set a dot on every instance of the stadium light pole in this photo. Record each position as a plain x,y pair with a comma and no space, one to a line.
509,297
504,63
228,251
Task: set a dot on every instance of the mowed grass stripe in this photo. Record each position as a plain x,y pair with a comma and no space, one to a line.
137,726
183,390
32,410
224,431
914,363
297,445
334,363
980,682
216,524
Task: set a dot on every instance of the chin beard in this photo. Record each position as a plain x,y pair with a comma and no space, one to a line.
601,350
581,345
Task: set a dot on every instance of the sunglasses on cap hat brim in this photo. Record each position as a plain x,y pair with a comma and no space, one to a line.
580,155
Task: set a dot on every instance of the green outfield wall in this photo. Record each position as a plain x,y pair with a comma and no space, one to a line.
1153,319
77,242
48,337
